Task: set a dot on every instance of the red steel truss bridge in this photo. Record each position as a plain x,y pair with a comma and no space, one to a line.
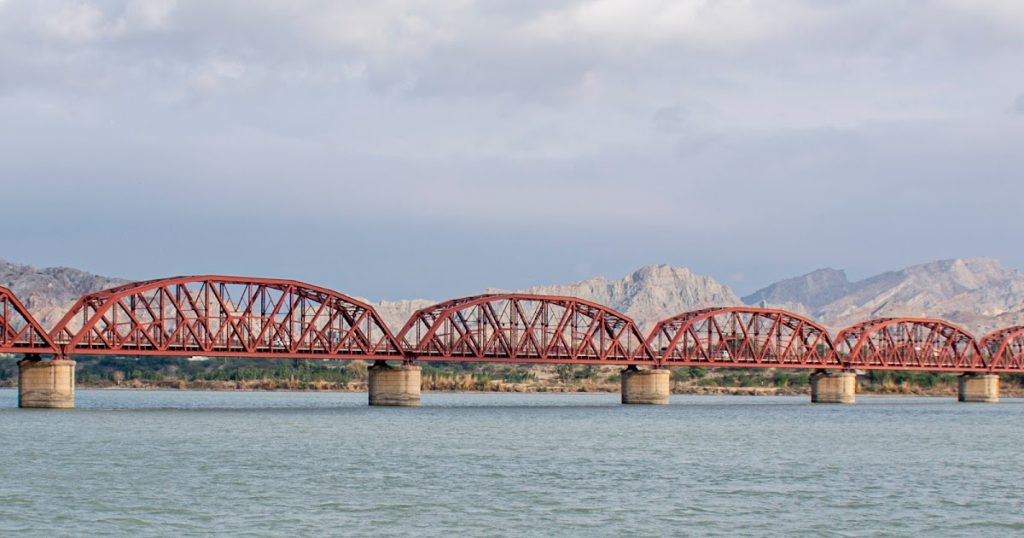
225,316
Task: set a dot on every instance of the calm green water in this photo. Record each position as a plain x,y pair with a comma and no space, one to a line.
296,464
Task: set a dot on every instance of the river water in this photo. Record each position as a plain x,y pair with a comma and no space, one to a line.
168,463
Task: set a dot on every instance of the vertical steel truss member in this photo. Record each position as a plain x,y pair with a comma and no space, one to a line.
227,317
1005,349
909,344
19,331
742,337
524,328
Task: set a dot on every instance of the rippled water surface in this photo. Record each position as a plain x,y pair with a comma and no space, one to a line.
273,464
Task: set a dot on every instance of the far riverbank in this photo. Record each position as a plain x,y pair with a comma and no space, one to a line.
350,376
274,385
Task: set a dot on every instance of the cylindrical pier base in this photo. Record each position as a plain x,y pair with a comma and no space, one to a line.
833,387
46,384
394,385
646,387
979,388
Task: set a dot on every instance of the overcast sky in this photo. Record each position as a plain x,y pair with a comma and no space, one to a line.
396,149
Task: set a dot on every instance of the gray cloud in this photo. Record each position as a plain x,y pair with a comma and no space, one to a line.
669,119
779,136
1018,105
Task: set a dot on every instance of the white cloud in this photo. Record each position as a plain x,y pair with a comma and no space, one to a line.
645,23
84,23
149,14
216,74
1007,13
389,29
79,22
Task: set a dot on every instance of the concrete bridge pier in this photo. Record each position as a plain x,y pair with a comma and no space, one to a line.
833,387
979,388
397,386
46,384
646,387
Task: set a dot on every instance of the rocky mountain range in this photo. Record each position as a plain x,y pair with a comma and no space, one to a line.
977,293
48,293
649,294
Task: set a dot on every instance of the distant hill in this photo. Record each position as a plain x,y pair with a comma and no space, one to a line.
811,291
977,293
647,295
396,313
650,293
49,292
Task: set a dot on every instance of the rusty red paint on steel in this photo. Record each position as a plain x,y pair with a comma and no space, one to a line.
224,316
1005,348
515,327
909,344
250,317
19,331
742,337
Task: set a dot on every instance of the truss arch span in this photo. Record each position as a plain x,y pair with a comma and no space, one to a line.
526,328
740,336
909,344
224,316
1005,348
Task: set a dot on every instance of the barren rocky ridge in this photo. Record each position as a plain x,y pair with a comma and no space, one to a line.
49,292
977,293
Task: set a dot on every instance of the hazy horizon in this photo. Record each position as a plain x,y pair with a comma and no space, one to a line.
396,150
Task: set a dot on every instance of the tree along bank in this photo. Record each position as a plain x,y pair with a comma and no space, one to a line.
283,374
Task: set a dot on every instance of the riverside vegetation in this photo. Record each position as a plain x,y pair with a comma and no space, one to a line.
283,374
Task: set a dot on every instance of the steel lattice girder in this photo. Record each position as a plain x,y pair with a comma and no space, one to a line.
524,328
225,316
909,344
742,337
19,331
251,317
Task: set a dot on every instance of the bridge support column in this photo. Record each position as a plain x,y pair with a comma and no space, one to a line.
397,386
647,387
46,384
833,387
979,388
